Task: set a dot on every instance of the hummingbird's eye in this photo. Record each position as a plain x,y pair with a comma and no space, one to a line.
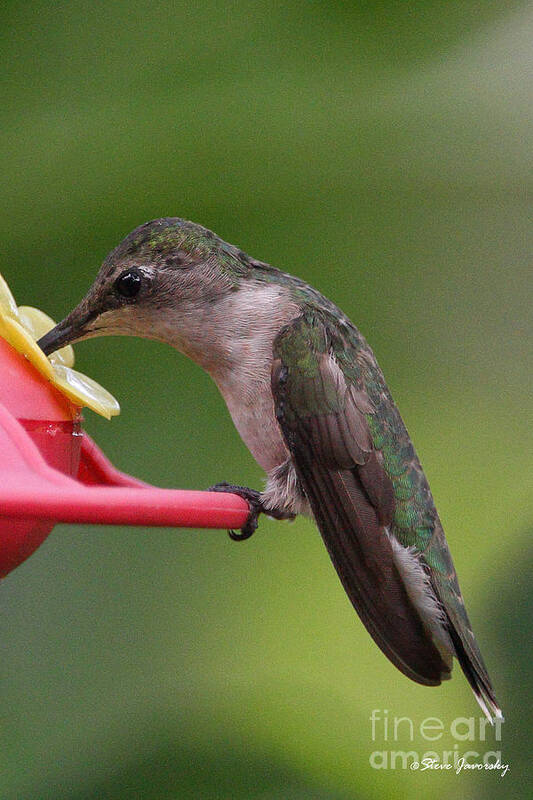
129,283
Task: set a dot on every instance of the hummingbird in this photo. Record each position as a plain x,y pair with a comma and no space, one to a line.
309,400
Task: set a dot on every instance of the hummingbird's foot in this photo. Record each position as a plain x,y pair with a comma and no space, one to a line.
254,500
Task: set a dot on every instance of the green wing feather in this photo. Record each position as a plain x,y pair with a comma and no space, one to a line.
365,484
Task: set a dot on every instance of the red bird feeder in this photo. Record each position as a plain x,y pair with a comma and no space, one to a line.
52,472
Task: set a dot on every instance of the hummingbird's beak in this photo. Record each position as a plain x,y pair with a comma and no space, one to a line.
71,329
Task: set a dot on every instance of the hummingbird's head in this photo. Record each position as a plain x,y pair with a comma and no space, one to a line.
153,284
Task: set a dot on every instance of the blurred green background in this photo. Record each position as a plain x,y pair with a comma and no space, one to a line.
381,151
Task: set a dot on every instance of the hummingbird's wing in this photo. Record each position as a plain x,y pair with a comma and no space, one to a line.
371,501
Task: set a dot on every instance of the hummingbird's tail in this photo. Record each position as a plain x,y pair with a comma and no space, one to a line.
475,672
459,627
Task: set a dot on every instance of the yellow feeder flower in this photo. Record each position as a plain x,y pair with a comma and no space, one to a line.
22,327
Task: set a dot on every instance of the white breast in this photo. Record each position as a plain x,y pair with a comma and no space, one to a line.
255,315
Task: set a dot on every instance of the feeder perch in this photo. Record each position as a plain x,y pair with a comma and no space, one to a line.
51,471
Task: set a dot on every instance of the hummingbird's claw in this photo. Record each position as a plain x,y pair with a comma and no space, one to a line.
247,530
253,498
